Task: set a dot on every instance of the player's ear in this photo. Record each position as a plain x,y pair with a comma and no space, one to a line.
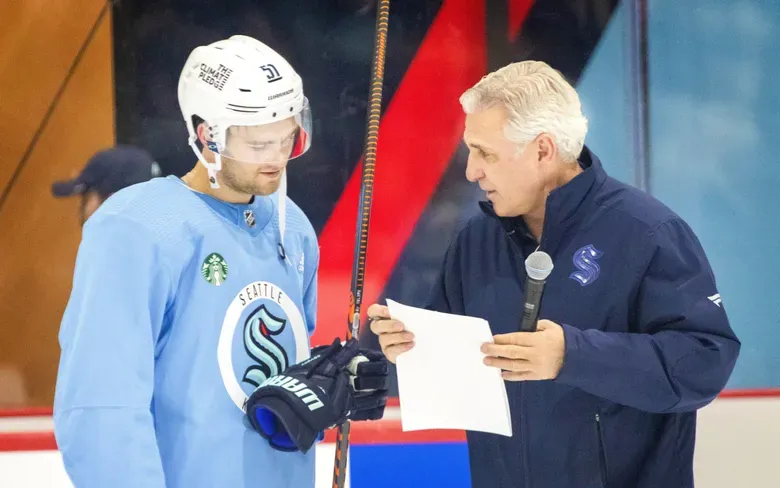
201,130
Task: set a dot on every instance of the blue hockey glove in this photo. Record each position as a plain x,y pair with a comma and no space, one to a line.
292,409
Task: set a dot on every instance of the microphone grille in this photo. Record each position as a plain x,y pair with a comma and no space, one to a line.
539,265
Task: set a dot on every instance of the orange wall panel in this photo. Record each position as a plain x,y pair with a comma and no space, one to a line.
38,42
39,235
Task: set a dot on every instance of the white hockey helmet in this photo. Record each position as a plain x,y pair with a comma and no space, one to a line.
235,85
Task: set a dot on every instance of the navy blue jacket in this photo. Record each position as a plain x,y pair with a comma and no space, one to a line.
647,338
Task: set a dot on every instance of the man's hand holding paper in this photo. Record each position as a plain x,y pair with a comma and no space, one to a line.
443,380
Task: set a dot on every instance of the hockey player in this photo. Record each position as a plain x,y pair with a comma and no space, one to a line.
193,299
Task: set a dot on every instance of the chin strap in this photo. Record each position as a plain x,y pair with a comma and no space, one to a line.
212,168
282,194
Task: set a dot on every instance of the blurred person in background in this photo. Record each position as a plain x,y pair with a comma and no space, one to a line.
107,172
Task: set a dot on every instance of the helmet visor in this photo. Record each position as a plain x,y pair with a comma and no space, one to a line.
275,142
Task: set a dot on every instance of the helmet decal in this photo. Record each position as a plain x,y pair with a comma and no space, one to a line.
216,77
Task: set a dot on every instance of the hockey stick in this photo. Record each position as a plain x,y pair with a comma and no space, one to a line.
361,233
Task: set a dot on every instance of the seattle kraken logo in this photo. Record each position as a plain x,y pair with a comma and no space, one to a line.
585,261
271,358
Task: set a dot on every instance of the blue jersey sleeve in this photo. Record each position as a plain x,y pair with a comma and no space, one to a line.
109,337
682,350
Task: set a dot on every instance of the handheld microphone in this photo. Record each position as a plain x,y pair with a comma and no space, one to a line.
538,267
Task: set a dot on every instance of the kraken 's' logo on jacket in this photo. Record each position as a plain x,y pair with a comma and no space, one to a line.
585,261
271,358
262,334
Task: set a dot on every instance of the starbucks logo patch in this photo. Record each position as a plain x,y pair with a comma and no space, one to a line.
214,269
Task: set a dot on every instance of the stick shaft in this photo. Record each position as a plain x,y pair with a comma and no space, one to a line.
364,214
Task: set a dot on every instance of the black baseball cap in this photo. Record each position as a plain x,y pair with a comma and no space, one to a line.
110,170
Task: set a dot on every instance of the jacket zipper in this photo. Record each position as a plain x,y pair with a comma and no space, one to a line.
602,454
524,440
524,426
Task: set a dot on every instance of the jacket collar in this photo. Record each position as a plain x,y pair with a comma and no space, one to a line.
563,206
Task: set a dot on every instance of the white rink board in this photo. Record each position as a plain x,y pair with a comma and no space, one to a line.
43,469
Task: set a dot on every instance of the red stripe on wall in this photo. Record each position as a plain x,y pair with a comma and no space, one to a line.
725,394
518,11
26,412
28,441
751,393
418,135
363,433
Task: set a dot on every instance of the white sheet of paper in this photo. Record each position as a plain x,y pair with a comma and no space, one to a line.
442,381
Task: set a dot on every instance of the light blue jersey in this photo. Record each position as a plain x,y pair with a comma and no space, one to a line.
181,305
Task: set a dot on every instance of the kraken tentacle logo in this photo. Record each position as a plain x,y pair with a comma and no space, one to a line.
585,261
262,334
271,358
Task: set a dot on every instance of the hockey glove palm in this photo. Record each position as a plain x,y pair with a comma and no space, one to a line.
368,378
